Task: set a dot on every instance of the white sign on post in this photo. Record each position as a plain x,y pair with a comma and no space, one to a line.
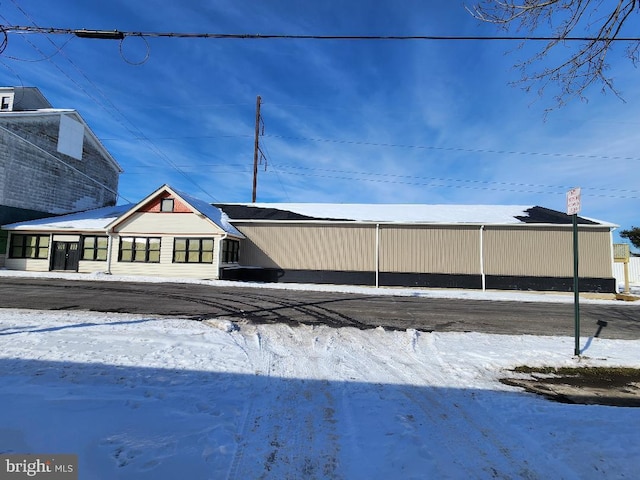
573,201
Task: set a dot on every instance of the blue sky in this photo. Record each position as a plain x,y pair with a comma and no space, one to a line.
344,121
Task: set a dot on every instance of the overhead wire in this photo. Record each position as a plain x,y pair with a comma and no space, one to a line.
471,187
119,34
456,149
6,29
140,134
275,170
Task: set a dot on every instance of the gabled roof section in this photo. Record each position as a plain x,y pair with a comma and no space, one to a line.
26,98
90,220
401,213
213,214
58,112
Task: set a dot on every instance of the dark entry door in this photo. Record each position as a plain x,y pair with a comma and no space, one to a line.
65,256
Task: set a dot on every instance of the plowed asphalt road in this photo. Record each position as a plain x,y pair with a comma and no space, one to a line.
334,309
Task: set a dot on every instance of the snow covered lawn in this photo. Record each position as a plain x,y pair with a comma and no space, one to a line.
151,398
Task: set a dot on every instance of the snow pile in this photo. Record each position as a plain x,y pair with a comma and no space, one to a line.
144,398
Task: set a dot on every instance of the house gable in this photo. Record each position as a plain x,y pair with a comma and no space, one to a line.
168,212
155,204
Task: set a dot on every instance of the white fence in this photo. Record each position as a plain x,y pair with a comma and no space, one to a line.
634,272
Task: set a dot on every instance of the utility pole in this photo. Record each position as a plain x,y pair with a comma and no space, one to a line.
256,150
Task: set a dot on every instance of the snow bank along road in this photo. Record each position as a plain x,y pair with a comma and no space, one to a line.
138,397
293,307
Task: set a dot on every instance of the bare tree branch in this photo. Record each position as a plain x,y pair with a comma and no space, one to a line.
585,65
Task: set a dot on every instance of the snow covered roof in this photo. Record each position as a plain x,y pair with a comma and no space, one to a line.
212,212
90,220
401,213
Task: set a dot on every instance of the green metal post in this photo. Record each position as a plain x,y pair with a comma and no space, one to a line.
576,290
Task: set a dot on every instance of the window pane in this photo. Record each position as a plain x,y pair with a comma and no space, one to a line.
17,240
207,244
29,252
102,242
180,257
44,241
154,256
194,257
126,243
89,242
139,255
101,255
180,244
207,257
194,245
43,252
166,205
31,240
126,255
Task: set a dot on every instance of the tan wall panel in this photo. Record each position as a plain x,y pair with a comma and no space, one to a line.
546,252
168,223
307,247
426,249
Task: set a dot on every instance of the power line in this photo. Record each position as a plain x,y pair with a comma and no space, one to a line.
471,187
440,179
455,149
288,169
120,35
151,145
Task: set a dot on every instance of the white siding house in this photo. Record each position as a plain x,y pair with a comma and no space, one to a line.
168,234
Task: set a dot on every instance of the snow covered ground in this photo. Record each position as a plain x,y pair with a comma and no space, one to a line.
138,397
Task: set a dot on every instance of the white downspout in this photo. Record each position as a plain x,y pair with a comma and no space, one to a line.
224,237
377,254
484,280
109,251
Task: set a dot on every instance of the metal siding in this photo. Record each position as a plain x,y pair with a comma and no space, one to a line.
428,249
309,247
546,251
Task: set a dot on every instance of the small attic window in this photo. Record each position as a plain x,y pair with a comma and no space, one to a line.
166,205
6,102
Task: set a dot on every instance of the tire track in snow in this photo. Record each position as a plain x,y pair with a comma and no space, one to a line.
282,428
476,431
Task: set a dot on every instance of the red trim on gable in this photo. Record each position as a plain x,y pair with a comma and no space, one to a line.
153,206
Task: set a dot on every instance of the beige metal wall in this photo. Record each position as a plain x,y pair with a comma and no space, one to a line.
546,251
309,247
525,251
420,249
